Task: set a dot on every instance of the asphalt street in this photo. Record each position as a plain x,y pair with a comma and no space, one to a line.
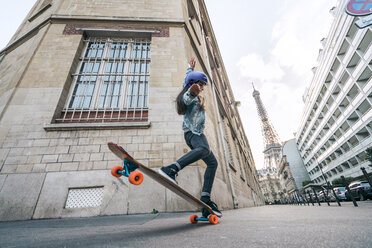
266,226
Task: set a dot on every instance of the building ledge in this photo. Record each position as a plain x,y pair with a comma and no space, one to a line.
96,126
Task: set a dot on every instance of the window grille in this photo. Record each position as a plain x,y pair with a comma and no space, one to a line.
84,198
111,82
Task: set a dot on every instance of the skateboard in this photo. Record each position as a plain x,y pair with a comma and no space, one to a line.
129,169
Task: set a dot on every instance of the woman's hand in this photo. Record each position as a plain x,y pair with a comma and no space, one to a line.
195,89
192,62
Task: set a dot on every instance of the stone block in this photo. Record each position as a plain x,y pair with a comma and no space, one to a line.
221,194
8,168
53,167
16,160
146,197
156,147
22,206
56,186
41,142
24,168
39,168
144,147
85,166
2,180
49,159
34,159
62,149
16,151
100,141
190,180
154,155
69,166
96,156
3,154
82,157
85,149
140,155
85,141
99,165
168,146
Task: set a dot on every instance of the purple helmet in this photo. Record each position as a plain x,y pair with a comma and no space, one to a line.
194,77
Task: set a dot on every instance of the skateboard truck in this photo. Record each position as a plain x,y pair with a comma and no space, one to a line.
128,170
213,219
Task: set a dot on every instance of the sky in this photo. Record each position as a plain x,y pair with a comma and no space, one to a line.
272,43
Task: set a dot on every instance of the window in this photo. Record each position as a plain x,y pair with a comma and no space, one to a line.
353,92
364,77
366,42
285,174
353,61
46,3
364,107
44,6
344,47
111,83
352,31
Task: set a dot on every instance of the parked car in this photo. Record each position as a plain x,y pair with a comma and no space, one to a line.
312,196
340,192
321,196
329,194
360,190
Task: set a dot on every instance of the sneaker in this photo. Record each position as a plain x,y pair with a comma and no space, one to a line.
213,206
168,173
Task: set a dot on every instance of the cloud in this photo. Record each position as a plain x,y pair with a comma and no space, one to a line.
253,66
295,40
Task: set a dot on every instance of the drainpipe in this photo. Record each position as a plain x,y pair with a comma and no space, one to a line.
225,148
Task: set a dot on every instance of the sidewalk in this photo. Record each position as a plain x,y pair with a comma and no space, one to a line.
267,226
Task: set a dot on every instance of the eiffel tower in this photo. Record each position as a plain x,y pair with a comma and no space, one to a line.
272,144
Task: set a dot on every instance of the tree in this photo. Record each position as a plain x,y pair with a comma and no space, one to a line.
369,155
306,182
339,183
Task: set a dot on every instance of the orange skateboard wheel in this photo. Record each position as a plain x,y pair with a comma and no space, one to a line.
135,178
114,171
193,219
213,219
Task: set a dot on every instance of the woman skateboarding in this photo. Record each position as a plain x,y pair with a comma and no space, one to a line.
190,104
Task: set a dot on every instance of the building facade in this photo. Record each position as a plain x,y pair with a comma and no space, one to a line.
292,171
76,76
336,126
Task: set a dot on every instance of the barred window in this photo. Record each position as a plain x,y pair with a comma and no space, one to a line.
111,83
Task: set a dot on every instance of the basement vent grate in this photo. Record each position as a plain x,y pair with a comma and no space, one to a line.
84,198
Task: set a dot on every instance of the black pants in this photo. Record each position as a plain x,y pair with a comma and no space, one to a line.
200,150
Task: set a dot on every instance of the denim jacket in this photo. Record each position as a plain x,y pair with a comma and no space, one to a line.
194,118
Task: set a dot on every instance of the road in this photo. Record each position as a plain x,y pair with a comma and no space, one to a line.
266,226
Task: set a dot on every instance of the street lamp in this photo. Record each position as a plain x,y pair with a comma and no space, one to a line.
235,103
316,160
325,179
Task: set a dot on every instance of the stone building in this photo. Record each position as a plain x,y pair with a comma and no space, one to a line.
271,188
75,76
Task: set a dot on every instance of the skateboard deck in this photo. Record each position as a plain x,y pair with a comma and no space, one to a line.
135,177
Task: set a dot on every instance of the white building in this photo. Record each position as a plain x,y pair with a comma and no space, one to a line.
292,171
336,126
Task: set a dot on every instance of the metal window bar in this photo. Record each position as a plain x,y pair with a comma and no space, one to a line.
97,52
111,82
